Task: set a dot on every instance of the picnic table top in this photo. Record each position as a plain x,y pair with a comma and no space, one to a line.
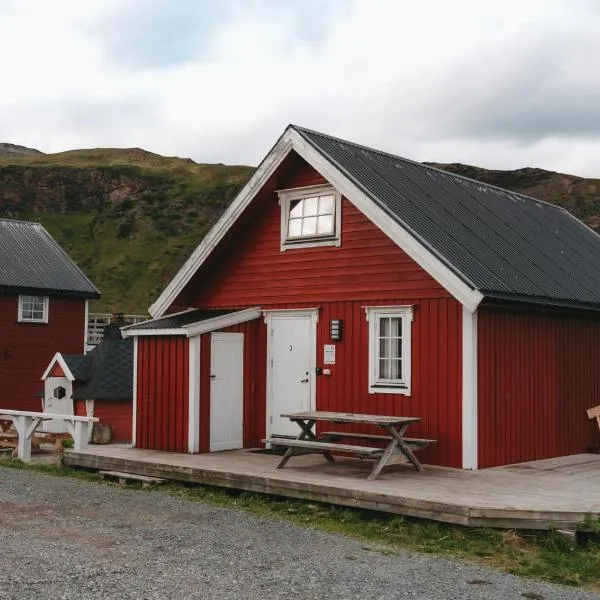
339,417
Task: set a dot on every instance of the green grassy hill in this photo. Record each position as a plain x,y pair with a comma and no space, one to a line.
130,218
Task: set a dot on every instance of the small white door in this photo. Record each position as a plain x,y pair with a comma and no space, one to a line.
226,391
291,365
57,399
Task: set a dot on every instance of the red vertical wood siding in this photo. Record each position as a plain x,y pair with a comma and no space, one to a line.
537,374
80,408
117,414
162,393
27,348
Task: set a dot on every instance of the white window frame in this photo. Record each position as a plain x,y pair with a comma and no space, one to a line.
23,319
286,197
386,386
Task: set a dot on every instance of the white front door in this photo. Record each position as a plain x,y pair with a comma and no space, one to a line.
226,391
57,400
290,368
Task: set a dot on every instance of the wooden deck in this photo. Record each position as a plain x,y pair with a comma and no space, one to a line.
559,493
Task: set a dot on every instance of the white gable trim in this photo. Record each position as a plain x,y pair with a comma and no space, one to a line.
234,318
199,327
292,140
63,365
469,390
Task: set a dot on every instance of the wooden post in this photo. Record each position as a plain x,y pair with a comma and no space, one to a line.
594,413
22,425
80,435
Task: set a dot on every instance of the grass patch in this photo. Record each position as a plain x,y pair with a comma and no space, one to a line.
545,556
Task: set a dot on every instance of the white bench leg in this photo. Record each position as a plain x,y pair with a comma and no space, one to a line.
22,425
80,435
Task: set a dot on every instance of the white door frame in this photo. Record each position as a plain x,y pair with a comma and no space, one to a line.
269,315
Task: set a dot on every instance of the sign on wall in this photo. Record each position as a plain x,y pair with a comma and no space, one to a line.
329,354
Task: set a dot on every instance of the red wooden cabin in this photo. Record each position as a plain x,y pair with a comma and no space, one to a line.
43,309
346,279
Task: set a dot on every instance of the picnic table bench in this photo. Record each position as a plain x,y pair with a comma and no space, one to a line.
308,443
26,423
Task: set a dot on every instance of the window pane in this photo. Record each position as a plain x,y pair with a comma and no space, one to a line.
395,346
296,209
396,327
326,205
384,327
384,348
384,368
295,228
310,207
325,224
396,369
309,226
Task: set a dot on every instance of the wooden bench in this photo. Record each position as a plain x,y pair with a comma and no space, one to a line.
318,447
123,478
341,435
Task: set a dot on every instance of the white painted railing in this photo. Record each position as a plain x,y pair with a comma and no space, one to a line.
26,424
98,321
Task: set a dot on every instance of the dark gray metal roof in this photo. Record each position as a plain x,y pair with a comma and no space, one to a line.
79,366
179,320
31,261
109,372
504,244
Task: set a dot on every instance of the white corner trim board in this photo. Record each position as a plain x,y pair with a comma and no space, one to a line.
194,395
469,390
58,358
135,394
292,140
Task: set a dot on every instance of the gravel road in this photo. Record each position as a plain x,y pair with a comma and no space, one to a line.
65,538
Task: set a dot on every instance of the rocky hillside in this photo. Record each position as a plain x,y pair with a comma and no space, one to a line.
13,151
130,218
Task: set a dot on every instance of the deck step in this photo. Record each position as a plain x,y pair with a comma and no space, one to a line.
123,478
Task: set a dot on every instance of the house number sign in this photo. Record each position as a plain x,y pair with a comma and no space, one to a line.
329,354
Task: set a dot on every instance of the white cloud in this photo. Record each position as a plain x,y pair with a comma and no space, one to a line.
496,84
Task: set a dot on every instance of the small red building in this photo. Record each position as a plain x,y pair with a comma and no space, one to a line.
347,279
96,384
43,309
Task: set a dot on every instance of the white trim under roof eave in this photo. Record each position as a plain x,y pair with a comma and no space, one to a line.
58,358
222,321
157,331
467,296
268,166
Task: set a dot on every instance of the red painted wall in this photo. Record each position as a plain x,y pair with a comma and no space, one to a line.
117,414
27,348
368,269
162,393
538,373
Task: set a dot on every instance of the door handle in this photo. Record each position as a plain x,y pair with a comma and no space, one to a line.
213,376
304,380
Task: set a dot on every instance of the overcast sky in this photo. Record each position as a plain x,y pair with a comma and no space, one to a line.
497,84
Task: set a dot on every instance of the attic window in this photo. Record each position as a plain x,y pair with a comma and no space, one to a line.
310,216
33,309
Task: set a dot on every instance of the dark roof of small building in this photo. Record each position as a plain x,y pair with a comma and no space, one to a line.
501,243
109,369
31,261
179,320
79,366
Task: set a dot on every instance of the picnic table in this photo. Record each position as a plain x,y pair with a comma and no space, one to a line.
308,443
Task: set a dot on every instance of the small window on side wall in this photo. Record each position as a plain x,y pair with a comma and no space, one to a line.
389,349
33,309
310,216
